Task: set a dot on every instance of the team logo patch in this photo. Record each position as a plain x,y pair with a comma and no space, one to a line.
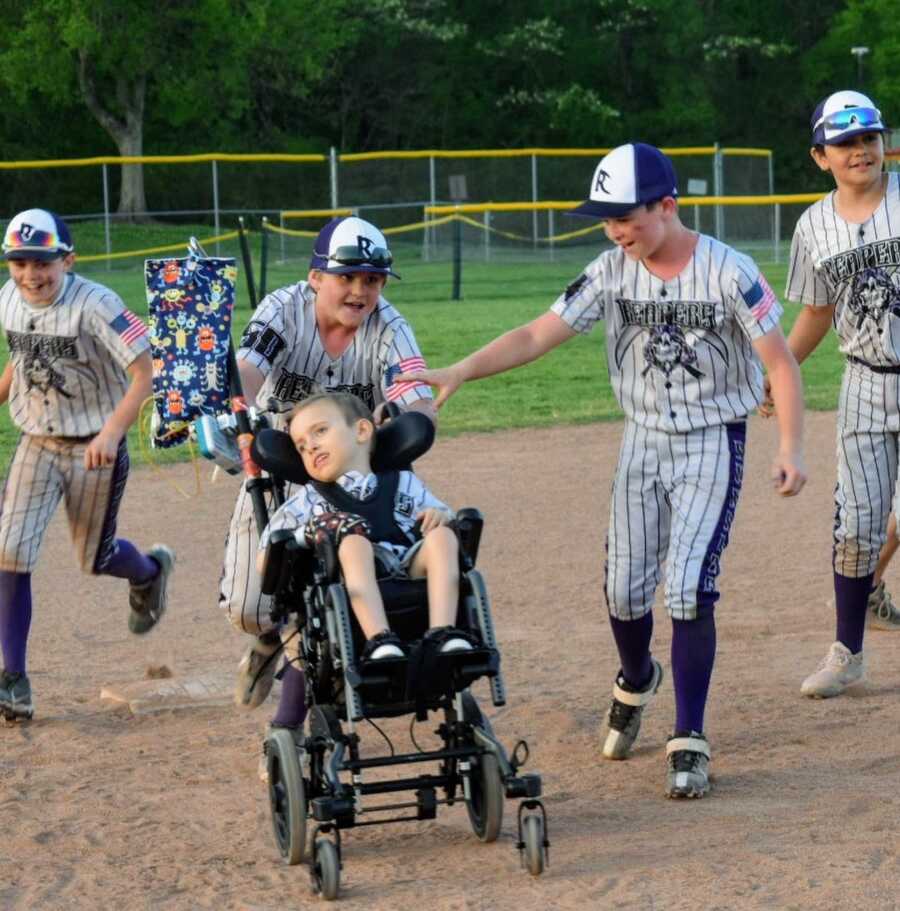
667,348
575,287
873,295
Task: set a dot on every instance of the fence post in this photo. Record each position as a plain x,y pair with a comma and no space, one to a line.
534,199
718,191
432,195
281,235
215,188
697,219
777,231
487,235
333,167
457,256
106,216
551,231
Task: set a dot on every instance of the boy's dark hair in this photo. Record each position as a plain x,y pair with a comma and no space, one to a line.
351,407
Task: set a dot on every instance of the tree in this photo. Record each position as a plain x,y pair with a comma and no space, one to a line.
189,61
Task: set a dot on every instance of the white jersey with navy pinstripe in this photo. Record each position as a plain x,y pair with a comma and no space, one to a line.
282,340
856,268
69,358
679,350
412,498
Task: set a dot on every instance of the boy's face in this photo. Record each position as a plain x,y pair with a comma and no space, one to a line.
39,281
854,163
345,300
328,445
642,231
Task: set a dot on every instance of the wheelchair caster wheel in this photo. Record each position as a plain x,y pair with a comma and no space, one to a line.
485,804
533,837
287,796
326,869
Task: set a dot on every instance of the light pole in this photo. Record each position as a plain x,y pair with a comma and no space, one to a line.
859,53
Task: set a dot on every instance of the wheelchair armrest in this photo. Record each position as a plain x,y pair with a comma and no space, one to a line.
276,563
469,525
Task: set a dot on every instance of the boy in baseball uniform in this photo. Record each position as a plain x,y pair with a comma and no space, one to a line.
688,321
334,332
844,269
78,371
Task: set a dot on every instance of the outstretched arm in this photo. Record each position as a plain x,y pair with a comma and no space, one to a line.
6,382
788,470
519,346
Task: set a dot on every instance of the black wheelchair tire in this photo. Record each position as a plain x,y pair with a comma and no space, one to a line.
533,837
326,869
485,804
287,796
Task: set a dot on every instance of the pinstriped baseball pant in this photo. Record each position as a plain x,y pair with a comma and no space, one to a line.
45,470
673,501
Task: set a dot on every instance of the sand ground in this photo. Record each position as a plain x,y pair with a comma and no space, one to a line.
103,809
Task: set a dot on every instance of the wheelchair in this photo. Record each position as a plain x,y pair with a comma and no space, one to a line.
317,782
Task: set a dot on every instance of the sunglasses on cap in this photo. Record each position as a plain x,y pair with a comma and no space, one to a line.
850,118
379,257
33,239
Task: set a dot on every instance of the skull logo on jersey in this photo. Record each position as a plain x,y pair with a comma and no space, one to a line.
667,348
41,375
873,296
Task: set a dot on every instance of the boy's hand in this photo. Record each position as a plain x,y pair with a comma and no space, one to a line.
446,380
767,405
788,474
432,518
102,450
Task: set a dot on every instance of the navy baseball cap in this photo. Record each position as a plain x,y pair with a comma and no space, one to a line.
842,115
627,177
350,244
37,234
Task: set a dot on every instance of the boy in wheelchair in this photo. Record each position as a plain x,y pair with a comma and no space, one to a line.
377,531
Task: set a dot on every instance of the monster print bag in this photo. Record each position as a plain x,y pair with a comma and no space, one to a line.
190,303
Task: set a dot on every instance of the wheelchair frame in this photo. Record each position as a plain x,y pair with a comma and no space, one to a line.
311,803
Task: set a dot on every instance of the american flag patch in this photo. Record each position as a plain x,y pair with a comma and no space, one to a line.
760,298
397,390
128,326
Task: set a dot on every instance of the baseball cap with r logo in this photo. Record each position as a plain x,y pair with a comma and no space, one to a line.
627,177
350,244
37,234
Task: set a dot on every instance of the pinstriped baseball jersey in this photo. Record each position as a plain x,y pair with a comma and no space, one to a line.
412,497
282,341
679,350
69,358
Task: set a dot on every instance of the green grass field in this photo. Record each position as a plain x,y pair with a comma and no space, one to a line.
569,385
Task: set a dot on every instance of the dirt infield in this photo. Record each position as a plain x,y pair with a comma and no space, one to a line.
100,809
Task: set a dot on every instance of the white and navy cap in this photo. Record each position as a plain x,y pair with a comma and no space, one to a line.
842,115
37,234
350,244
627,177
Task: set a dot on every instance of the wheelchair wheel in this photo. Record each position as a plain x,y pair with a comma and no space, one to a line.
326,869
485,805
287,796
533,836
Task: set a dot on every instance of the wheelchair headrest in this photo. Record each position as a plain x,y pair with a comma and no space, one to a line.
398,443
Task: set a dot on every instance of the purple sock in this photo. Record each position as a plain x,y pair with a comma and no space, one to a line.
633,642
127,562
693,654
291,711
851,597
15,619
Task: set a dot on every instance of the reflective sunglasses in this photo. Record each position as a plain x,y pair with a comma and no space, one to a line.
850,118
33,239
380,257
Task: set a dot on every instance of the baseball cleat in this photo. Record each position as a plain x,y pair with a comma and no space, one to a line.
881,613
838,670
623,720
256,671
149,600
16,703
687,755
